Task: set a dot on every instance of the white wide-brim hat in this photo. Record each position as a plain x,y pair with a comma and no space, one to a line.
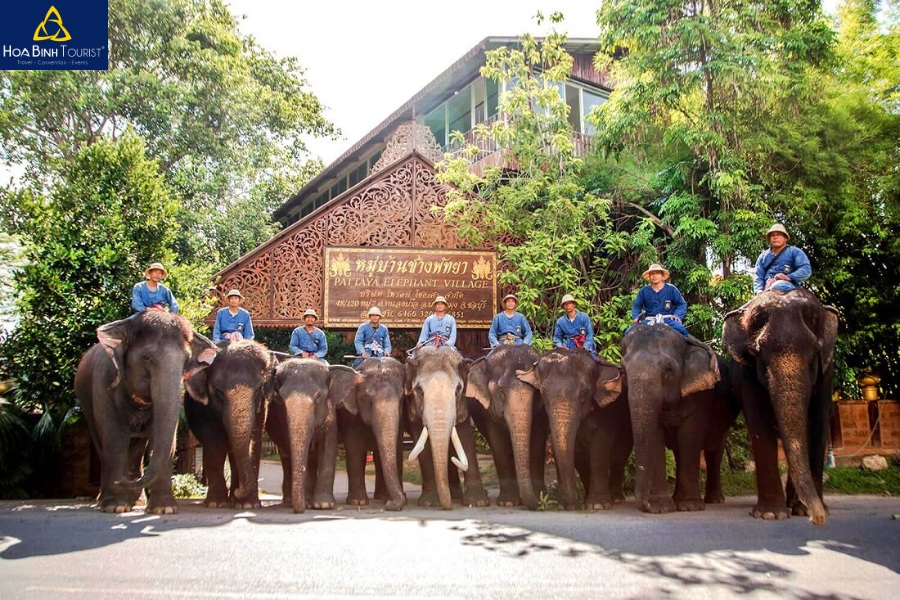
234,292
777,228
440,299
568,298
310,313
154,267
656,267
375,311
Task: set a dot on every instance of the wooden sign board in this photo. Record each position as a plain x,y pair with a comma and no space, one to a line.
403,283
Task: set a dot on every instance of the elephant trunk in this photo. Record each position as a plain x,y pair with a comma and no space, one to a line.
789,389
239,421
563,429
386,427
519,419
438,431
300,421
167,397
649,448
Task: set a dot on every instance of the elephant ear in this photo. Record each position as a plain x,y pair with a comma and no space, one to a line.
196,388
115,338
530,377
203,353
610,385
342,384
829,337
477,383
736,337
701,368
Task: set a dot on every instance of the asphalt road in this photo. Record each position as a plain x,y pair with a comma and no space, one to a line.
56,549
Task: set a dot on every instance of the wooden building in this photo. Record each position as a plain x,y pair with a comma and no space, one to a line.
378,197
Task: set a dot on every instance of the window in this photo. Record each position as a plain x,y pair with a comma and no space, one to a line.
590,99
459,111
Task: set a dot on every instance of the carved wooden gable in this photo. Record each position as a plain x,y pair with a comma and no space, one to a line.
391,208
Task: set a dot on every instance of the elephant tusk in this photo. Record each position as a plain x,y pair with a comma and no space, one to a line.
420,445
462,463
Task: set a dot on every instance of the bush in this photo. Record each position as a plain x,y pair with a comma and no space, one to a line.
186,485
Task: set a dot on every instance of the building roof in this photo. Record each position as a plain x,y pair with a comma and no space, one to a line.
460,73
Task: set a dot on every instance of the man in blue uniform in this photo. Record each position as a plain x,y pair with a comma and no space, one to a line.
233,322
782,267
152,294
308,341
509,326
440,328
573,329
372,338
659,301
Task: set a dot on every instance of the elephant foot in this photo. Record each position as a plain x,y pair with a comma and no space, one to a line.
393,505
598,503
357,500
714,498
657,505
429,499
323,502
165,506
690,505
247,504
570,505
798,509
508,500
216,503
115,505
770,512
618,498
476,498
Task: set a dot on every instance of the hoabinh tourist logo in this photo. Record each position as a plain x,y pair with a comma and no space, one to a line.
65,35
54,20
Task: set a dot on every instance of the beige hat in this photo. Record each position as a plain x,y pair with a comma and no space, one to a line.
234,292
568,298
777,228
439,299
375,311
656,267
154,267
310,313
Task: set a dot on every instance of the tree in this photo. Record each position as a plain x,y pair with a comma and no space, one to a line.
547,226
224,117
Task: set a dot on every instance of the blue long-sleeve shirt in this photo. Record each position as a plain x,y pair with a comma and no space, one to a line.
229,323
374,340
504,324
444,326
142,297
566,330
667,301
791,261
304,341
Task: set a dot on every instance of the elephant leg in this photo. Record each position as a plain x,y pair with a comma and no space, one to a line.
599,449
353,435
429,495
623,443
764,439
456,491
326,456
537,452
498,439
474,494
713,458
137,449
687,464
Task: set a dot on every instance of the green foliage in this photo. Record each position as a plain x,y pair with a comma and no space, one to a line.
186,485
15,469
862,481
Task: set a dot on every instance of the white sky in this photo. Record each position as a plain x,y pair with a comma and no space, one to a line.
365,59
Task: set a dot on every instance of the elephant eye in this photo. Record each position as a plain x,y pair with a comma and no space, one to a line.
459,389
146,357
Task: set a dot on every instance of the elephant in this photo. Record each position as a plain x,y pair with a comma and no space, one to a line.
590,424
670,381
510,414
437,413
783,346
376,424
302,422
129,386
225,408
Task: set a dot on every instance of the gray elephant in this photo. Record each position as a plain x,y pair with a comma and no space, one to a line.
670,382
129,386
783,344
302,422
590,425
226,409
510,414
437,413
376,425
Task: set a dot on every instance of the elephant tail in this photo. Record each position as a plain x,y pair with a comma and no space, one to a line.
147,479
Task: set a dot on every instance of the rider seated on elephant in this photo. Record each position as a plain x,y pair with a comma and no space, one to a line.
573,329
440,328
782,267
659,301
233,323
152,294
372,338
308,341
509,326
